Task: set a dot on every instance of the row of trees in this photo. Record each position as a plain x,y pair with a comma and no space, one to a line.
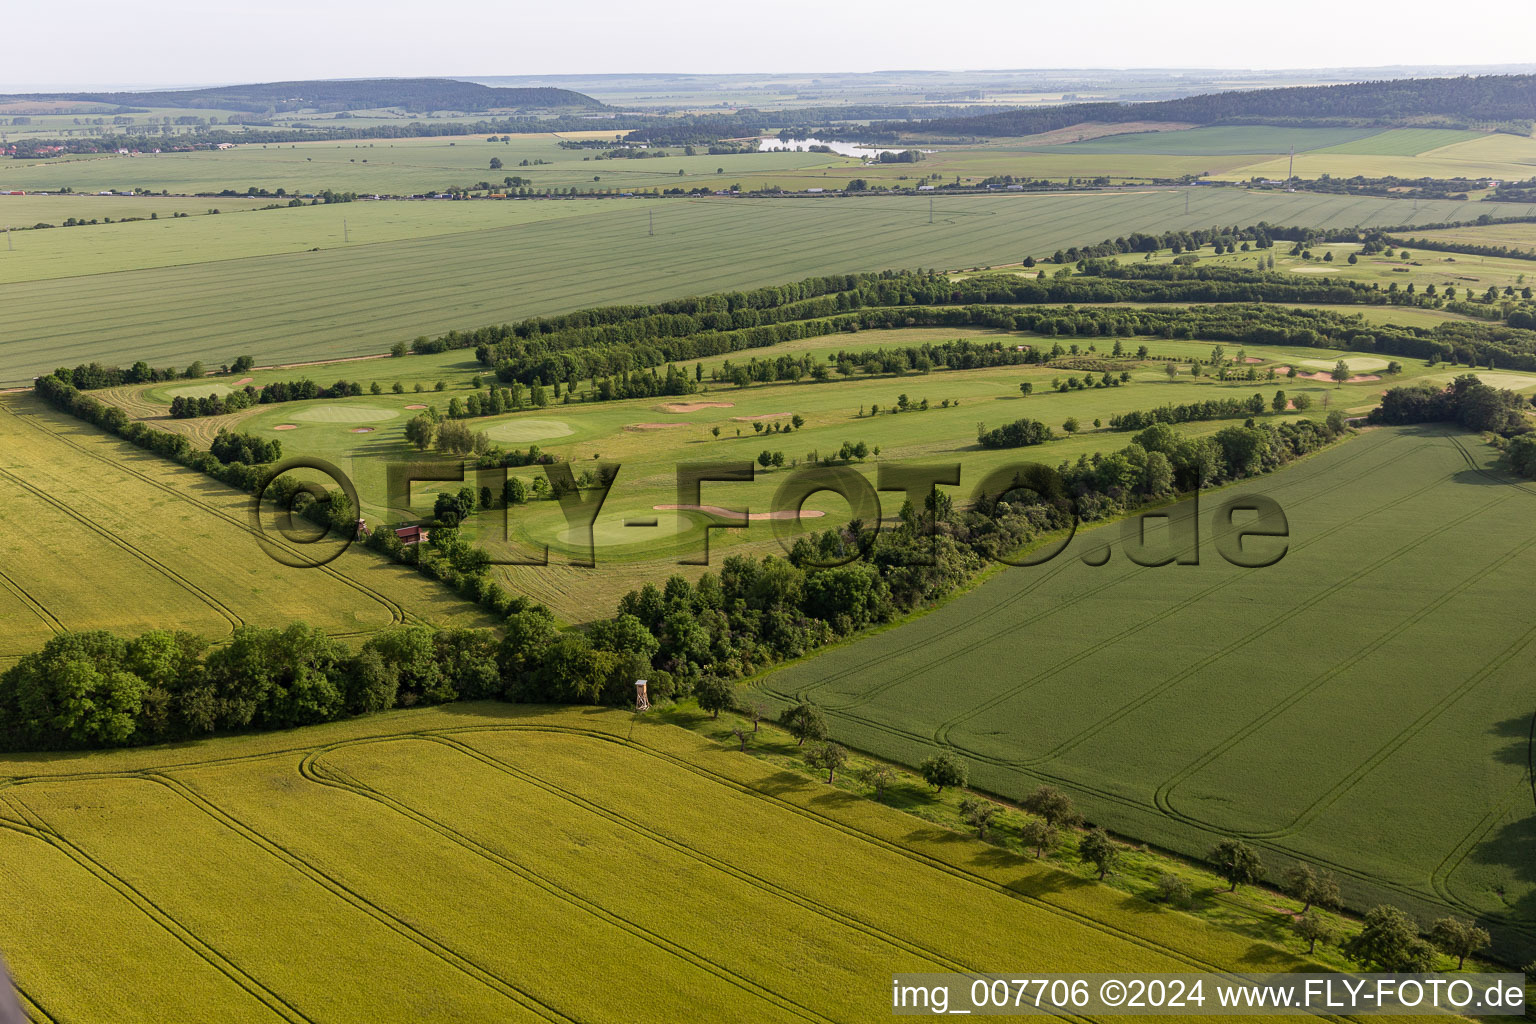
1194,412
193,406
1468,401
230,447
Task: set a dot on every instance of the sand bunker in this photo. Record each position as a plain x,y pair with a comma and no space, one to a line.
286,426
652,426
363,430
694,406
716,510
1253,359
415,407
764,416
1358,379
243,383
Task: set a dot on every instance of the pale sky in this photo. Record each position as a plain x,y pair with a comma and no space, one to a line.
98,43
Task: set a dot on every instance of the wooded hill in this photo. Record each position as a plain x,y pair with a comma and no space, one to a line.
1494,101
418,95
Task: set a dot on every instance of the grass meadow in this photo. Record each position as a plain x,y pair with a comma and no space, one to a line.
583,865
1362,704
360,299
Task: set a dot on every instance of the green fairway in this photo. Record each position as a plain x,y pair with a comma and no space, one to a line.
351,301
1364,703
519,864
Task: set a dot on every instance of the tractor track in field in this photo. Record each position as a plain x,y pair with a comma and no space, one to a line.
942,733
229,615
311,756
313,770
901,653
632,825
868,838
33,604
350,896
1164,793
398,614
168,923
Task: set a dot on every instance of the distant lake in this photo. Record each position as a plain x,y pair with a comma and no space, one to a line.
841,148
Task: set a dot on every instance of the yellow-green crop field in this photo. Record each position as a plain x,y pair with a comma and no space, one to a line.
1364,703
358,299
102,535
495,862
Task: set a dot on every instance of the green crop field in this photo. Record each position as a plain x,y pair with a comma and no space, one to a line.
1363,704
354,300
105,536
1404,141
25,211
394,166
518,864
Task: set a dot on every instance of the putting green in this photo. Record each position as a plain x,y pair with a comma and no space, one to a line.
1511,381
529,430
1355,363
610,531
194,391
337,413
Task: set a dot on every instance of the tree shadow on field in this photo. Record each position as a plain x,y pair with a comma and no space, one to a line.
781,782
1262,954
1518,731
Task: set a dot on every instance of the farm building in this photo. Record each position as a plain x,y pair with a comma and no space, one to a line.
412,535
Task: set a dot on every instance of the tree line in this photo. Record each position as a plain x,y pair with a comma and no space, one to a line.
193,406
1462,102
1468,401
